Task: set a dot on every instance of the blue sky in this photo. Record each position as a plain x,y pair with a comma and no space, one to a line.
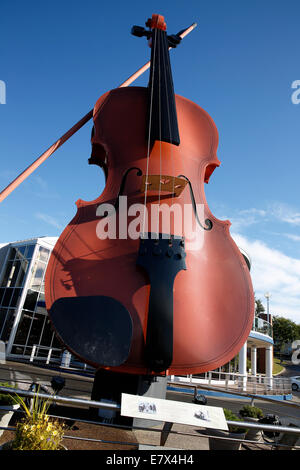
58,57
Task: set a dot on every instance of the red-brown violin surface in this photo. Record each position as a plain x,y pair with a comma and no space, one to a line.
139,306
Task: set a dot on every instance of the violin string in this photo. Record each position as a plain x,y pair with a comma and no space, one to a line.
149,136
173,162
159,117
170,135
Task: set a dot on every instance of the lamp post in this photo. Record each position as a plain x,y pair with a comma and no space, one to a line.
267,296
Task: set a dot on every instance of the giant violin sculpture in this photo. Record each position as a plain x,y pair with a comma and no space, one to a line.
154,303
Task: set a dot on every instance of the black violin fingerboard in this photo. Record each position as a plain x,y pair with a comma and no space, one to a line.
162,117
162,259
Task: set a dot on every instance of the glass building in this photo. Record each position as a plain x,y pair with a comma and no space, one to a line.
24,324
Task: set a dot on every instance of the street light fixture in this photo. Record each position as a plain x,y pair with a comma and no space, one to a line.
267,296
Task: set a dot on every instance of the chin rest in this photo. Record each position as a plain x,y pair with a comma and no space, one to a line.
96,328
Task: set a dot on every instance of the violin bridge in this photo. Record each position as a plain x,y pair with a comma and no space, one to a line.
171,184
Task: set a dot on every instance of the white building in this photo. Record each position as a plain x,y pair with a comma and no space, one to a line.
24,322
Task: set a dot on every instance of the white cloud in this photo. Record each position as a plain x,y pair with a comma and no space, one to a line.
274,212
39,187
285,213
291,236
238,223
254,211
39,181
242,219
48,219
272,270
275,272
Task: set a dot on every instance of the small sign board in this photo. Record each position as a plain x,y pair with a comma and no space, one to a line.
137,406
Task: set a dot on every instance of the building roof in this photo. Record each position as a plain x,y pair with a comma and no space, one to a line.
46,241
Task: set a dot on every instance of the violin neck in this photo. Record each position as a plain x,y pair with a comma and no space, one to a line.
162,107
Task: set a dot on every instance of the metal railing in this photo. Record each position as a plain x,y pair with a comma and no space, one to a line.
57,355
262,326
35,351
279,442
195,387
61,399
232,381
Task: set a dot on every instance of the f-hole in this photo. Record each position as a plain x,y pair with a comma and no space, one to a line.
98,155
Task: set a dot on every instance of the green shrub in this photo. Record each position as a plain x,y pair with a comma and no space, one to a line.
230,416
251,412
5,399
37,431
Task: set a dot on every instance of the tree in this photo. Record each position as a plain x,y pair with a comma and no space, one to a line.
284,331
259,308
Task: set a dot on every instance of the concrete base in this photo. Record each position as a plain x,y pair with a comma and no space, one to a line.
108,386
154,387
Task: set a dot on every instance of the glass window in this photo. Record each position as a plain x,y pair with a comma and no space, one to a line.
7,297
30,300
3,312
38,274
12,253
21,251
36,329
16,349
30,250
8,324
14,274
2,290
20,254
43,254
28,350
41,308
7,273
15,297
23,328
47,334
22,273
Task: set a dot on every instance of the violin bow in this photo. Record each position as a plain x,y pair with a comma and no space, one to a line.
31,168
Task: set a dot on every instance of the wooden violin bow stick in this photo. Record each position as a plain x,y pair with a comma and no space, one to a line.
31,168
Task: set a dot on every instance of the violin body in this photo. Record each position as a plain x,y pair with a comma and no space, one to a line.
209,300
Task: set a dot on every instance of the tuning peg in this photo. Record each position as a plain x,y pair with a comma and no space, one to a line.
139,31
173,40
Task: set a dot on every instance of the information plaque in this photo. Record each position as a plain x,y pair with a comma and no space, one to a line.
171,411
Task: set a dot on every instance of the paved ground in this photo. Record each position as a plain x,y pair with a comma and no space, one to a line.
290,369
78,386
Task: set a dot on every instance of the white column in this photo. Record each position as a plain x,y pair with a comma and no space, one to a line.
269,365
243,367
254,360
